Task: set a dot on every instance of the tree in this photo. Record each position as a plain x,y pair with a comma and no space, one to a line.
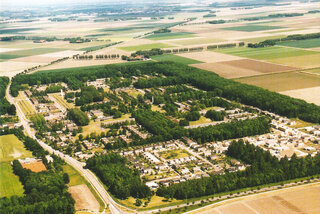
66,178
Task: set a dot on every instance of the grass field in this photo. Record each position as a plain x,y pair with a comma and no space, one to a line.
145,47
252,28
155,201
166,36
9,182
283,81
268,53
12,148
304,61
28,52
197,41
26,107
174,154
175,58
202,120
309,43
62,101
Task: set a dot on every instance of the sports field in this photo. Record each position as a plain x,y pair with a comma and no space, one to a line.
145,47
283,81
166,36
267,53
252,28
9,182
26,107
175,58
309,43
12,148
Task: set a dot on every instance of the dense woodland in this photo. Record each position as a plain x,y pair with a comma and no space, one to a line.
121,181
44,192
264,169
79,117
5,106
178,73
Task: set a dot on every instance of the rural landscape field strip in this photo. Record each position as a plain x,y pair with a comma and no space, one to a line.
252,28
309,43
28,52
167,36
145,47
175,58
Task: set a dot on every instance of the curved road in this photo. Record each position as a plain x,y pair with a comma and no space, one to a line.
87,174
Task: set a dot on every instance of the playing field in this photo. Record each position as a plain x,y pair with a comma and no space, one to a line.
175,58
268,53
302,199
145,47
283,81
37,166
11,148
26,107
61,101
174,154
166,36
9,182
252,28
309,43
197,41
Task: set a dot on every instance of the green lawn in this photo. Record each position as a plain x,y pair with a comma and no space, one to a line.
28,52
309,43
252,28
145,47
164,36
267,53
175,58
9,182
12,148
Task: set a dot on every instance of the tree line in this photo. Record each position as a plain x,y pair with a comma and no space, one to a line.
5,106
121,181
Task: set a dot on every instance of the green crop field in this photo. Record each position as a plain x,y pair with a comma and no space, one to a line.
12,148
252,28
175,58
28,52
9,182
267,53
309,43
145,47
260,39
16,30
283,81
164,36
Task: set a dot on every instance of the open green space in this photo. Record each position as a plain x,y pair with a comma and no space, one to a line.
267,53
16,30
253,28
11,148
175,58
145,47
309,43
9,182
283,81
93,48
174,154
28,52
164,36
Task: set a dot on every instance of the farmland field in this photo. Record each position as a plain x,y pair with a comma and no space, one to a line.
9,182
145,47
197,41
12,148
28,52
252,28
175,58
309,43
209,56
165,36
260,39
283,81
301,199
310,95
307,61
267,53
